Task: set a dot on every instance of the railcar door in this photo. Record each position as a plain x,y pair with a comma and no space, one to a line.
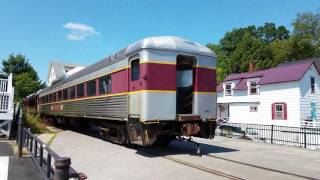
134,81
185,84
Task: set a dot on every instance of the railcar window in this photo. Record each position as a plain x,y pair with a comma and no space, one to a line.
72,92
50,98
91,88
54,97
80,90
65,94
105,84
59,95
135,69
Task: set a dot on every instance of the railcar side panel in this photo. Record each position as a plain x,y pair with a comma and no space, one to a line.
111,107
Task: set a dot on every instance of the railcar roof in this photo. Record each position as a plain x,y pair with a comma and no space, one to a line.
170,43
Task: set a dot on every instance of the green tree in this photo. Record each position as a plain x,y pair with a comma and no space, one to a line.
25,78
307,26
267,46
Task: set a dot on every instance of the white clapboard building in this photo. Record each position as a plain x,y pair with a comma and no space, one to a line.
6,105
287,95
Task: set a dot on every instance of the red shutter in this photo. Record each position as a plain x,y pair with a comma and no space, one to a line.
273,111
285,111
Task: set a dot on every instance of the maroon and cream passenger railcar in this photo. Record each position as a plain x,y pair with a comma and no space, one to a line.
153,90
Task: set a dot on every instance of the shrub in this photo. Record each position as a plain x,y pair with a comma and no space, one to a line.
34,123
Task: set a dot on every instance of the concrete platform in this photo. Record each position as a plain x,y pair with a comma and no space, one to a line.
103,160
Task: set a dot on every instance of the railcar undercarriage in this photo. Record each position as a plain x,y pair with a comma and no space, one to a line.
144,134
161,133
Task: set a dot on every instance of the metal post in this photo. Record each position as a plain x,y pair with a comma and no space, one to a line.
305,137
20,132
48,165
41,155
35,148
62,166
271,133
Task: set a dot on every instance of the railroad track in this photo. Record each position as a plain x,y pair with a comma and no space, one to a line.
198,167
255,166
264,168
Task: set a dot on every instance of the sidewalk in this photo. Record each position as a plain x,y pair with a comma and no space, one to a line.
14,168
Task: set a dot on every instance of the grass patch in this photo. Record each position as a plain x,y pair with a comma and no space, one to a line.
52,138
34,123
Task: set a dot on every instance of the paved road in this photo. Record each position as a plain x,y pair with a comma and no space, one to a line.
14,168
104,160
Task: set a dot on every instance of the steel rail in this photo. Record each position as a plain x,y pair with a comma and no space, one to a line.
198,167
264,168
256,166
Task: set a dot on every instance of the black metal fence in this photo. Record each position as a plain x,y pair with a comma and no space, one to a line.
295,136
50,164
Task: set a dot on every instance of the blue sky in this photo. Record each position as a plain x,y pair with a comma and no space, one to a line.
83,32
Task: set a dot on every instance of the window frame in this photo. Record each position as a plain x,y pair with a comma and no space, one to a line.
226,90
80,90
276,111
284,111
72,92
253,108
65,94
59,96
136,77
108,85
91,85
256,88
312,84
54,97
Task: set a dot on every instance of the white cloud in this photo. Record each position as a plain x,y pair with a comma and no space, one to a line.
79,31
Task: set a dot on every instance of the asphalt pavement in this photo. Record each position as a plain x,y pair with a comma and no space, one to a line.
14,168
99,159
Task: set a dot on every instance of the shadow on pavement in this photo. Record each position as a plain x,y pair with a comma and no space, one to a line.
181,147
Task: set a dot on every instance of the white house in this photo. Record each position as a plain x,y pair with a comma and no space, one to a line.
6,105
58,71
287,95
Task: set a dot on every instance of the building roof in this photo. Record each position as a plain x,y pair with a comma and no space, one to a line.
59,68
282,73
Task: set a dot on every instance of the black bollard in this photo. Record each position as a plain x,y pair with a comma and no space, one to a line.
62,166
20,134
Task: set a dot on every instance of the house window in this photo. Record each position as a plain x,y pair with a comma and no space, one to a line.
228,91
72,92
312,84
65,94
253,108
105,84
279,111
135,70
91,87
80,90
253,88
